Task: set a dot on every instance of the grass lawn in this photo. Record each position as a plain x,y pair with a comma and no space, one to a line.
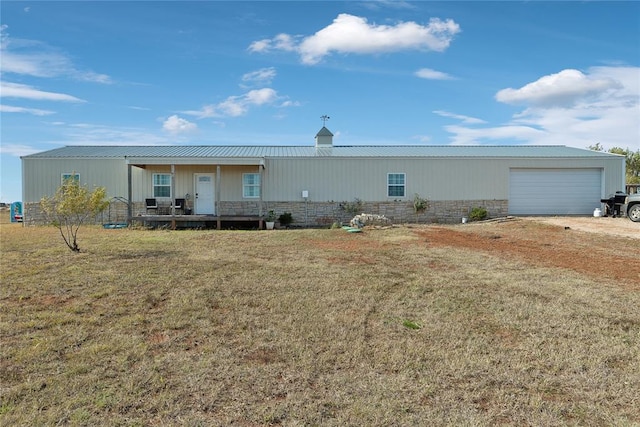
305,327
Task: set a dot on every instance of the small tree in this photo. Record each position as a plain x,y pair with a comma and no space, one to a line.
419,205
70,207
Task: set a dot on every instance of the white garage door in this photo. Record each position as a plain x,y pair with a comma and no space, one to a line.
554,191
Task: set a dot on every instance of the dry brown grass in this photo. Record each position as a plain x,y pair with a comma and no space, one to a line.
306,327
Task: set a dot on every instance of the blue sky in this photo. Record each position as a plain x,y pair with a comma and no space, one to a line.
263,73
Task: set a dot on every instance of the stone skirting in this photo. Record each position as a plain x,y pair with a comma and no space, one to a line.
401,212
313,214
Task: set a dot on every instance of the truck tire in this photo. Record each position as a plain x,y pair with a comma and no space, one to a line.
634,213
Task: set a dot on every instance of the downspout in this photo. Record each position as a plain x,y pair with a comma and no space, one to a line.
129,193
261,172
173,189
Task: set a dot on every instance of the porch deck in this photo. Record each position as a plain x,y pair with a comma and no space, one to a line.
173,220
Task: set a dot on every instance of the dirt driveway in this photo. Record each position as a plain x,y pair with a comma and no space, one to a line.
605,225
602,248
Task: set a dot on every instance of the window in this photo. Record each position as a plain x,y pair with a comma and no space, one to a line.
250,185
161,185
70,176
395,184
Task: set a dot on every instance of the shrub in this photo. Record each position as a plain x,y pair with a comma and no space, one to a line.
285,219
478,214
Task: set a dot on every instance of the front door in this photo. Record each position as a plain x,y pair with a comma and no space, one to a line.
205,196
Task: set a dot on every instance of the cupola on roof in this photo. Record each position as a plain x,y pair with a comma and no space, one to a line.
324,138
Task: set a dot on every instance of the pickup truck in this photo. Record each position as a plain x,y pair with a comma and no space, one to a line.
632,207
620,204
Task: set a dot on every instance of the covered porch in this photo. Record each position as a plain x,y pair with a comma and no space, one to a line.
195,191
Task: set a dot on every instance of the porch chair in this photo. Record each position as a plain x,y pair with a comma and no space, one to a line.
151,204
179,205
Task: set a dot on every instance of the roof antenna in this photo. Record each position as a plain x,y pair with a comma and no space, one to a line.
324,119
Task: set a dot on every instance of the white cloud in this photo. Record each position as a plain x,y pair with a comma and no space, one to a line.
563,88
235,106
261,77
263,45
473,136
92,134
38,65
260,96
239,105
280,42
205,112
176,125
462,118
354,34
17,150
603,107
428,73
34,111
90,76
17,90
34,58
288,103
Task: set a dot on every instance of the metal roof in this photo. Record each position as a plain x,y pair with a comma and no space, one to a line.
324,132
367,151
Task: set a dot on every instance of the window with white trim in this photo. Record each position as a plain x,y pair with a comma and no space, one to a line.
161,185
250,185
70,176
396,184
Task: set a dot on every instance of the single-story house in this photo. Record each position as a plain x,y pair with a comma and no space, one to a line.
315,182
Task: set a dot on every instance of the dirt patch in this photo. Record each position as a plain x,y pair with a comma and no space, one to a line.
596,252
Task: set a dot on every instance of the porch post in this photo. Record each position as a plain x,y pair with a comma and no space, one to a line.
173,189
173,196
261,172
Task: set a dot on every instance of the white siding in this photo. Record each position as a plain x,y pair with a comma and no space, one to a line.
329,179
444,179
42,177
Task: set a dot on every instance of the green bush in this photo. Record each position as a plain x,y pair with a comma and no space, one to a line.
285,219
478,214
